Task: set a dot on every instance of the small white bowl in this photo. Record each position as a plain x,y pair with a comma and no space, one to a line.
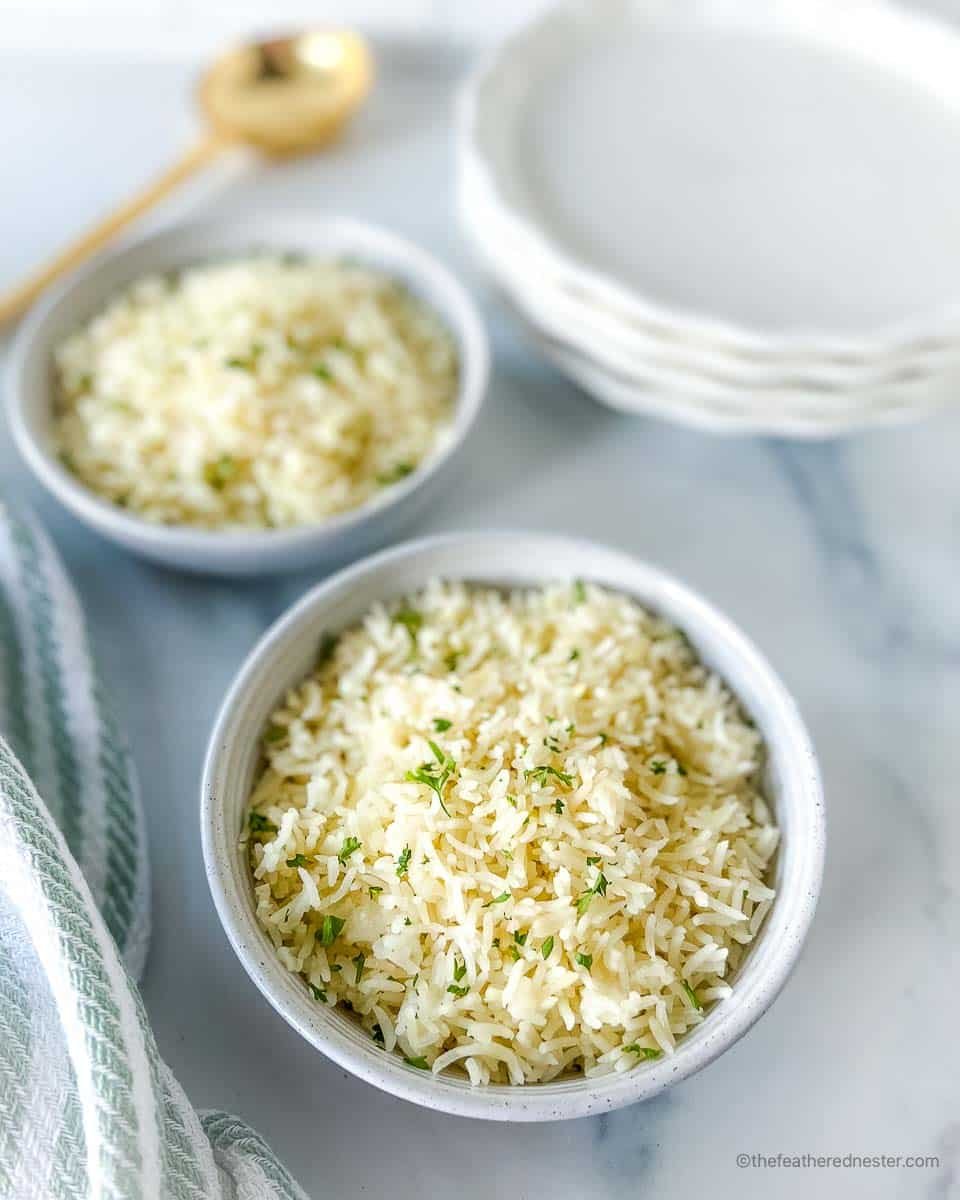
286,654
31,389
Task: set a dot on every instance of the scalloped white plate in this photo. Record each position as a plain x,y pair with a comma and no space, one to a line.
775,178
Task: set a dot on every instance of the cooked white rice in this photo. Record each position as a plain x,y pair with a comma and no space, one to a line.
599,871
255,393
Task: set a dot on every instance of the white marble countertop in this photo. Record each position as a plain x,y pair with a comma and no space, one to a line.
841,560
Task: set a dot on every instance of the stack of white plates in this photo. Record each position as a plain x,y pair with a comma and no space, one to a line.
742,216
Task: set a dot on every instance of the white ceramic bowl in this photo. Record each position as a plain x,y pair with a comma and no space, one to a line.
30,389
287,653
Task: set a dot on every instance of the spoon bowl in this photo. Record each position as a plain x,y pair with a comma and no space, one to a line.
288,95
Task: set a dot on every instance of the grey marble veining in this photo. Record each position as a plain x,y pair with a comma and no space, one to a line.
841,560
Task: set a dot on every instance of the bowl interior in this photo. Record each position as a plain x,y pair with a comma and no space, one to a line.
86,293
286,655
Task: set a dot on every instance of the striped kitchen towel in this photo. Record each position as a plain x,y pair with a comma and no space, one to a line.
88,1109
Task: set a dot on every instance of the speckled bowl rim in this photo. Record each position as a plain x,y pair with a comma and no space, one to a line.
218,238
513,559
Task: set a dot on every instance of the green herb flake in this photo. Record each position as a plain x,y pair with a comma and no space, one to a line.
658,767
579,591
441,724
604,738
318,993
358,961
260,824
520,938
395,474
298,860
558,806
326,649
541,774
218,473
434,775
330,929
407,921
419,1062
585,960
501,899
574,655
239,364
322,371
374,892
599,889
681,769
350,846
691,995
451,660
512,801
411,620
593,860
403,862
459,969
642,1051
455,990
546,948
377,1034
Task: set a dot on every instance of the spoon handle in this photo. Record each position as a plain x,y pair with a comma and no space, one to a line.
14,301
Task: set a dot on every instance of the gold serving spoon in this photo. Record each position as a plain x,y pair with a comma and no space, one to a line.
283,97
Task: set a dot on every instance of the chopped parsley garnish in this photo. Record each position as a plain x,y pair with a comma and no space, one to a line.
411,620
275,733
459,969
512,800
599,889
217,474
658,767
540,774
322,371
691,995
515,953
403,862
681,769
358,960
395,474
318,993
558,806
434,775
451,660
328,643
520,938
441,724
419,1062
579,591
642,1051
298,860
546,948
585,960
574,654
593,860
604,738
501,899
260,824
374,892
377,1034
350,846
240,364
455,990
407,921
336,968
330,929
